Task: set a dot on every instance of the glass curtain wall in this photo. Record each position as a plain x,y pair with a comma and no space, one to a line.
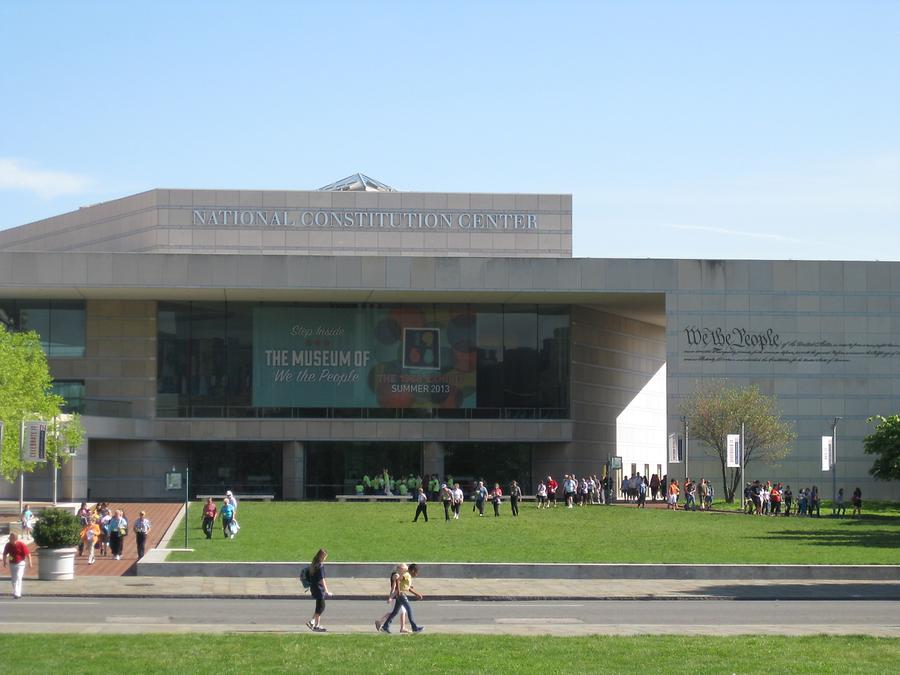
520,352
59,323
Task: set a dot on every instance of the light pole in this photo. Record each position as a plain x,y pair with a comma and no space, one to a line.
685,422
834,464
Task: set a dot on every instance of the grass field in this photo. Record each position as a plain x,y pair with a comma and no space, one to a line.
292,531
443,653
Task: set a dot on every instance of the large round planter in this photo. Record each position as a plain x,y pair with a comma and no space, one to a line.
56,564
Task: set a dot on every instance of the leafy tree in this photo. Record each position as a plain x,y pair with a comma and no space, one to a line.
717,409
25,395
884,442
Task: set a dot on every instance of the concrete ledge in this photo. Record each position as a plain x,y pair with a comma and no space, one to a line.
154,564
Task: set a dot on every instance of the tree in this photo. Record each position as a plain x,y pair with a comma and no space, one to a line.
884,442
718,409
25,394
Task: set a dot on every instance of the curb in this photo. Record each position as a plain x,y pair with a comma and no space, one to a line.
774,597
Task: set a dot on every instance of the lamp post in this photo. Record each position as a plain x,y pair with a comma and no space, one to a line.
834,464
685,422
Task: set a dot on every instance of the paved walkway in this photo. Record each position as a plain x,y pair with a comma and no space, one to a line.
161,516
469,589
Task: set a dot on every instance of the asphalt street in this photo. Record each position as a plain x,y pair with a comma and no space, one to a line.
708,617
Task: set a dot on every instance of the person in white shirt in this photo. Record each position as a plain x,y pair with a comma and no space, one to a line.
456,500
234,501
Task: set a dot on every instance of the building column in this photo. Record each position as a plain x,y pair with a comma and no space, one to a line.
292,470
433,459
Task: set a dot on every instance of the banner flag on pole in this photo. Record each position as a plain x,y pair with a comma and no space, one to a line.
826,453
733,458
674,449
34,449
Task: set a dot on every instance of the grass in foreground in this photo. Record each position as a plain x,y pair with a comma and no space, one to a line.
293,531
445,653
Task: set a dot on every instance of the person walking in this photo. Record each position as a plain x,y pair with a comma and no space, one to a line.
446,496
141,530
856,500
458,498
480,495
541,495
318,589
673,495
118,530
16,553
27,522
642,495
496,498
84,518
90,533
209,517
399,570
840,509
227,513
552,487
422,505
404,586
515,494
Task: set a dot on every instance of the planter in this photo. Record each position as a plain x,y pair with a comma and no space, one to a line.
56,564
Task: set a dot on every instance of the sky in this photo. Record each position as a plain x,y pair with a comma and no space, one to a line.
720,129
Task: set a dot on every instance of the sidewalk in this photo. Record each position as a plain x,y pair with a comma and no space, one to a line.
469,589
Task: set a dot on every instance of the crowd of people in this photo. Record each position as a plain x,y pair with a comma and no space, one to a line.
768,499
103,531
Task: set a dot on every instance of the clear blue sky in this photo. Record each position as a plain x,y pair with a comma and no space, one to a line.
682,129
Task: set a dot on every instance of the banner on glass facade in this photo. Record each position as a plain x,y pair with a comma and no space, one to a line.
34,448
826,453
363,358
733,456
674,449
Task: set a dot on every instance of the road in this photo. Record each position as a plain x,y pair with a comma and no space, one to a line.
691,617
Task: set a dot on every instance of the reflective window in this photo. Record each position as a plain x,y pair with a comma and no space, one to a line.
59,323
73,393
474,361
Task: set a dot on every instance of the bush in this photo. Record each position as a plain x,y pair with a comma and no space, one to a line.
57,528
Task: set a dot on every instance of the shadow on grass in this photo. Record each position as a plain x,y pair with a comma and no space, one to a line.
803,591
853,532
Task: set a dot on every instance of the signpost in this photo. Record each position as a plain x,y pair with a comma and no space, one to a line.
174,483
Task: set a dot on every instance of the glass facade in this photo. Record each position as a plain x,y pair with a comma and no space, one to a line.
449,361
335,468
59,323
73,393
246,468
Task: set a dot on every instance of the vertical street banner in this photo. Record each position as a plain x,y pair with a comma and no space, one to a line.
733,451
674,449
34,448
314,357
826,453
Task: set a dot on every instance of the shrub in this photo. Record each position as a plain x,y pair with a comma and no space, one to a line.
57,528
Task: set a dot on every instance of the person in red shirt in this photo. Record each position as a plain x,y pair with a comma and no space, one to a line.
552,487
16,553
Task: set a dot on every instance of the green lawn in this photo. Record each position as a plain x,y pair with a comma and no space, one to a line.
292,531
446,653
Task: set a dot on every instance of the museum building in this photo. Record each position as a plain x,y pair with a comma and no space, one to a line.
289,342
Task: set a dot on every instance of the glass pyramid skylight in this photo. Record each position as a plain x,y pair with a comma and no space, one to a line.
357,182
